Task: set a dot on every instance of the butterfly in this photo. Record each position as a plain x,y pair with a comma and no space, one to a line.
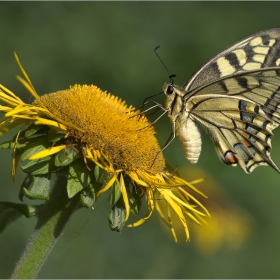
235,97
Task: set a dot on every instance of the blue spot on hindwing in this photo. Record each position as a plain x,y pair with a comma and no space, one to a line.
242,105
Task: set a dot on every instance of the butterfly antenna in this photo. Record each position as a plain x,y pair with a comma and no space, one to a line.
170,76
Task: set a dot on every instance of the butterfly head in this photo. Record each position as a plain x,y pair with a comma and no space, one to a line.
174,96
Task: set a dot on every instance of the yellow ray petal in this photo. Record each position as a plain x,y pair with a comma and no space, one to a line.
125,197
135,178
27,84
108,185
12,96
47,152
177,208
14,157
150,210
50,123
169,194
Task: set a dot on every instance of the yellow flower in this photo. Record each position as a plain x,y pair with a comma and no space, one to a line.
96,129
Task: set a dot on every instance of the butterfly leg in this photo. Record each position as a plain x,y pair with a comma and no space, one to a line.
158,106
154,121
143,112
146,101
169,140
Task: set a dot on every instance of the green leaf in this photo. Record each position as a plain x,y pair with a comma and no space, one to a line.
59,177
115,194
134,203
96,172
21,143
103,176
26,184
9,212
39,166
38,144
65,157
32,195
134,193
39,188
116,217
78,178
32,130
7,145
54,135
87,197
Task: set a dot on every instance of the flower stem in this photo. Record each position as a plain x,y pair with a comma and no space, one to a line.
52,218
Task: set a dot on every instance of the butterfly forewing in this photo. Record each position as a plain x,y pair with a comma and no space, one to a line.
257,51
235,97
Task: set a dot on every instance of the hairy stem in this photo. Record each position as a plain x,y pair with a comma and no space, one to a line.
52,218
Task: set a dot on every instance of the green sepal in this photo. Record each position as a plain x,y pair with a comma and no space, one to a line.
66,157
115,194
39,166
36,187
87,197
116,217
78,178
54,135
10,211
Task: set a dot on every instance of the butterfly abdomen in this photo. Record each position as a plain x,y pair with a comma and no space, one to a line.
190,137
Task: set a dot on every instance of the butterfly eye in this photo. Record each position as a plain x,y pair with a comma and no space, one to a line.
170,90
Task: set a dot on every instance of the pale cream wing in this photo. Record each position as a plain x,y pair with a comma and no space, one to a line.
257,51
240,112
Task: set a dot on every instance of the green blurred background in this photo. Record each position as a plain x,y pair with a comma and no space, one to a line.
111,44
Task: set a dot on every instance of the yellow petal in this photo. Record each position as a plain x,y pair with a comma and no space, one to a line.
27,84
14,156
177,208
12,96
150,201
50,123
108,185
47,152
125,197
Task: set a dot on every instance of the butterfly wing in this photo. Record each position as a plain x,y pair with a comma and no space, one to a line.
239,112
257,51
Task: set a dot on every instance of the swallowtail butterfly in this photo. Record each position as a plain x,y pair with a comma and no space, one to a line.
235,96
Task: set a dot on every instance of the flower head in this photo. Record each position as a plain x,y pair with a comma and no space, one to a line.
100,144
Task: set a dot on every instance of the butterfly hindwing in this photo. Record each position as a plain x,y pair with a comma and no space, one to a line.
240,112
